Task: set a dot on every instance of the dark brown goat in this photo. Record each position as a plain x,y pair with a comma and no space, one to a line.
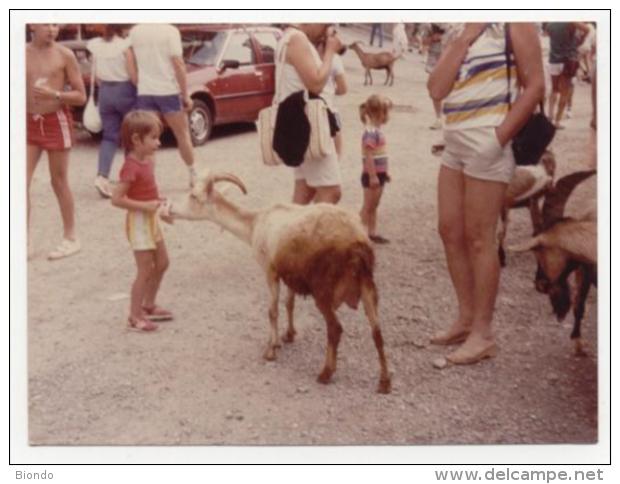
562,246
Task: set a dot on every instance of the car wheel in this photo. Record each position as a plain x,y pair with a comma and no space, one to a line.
200,122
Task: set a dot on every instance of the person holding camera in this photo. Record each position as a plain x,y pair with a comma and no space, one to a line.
482,114
300,67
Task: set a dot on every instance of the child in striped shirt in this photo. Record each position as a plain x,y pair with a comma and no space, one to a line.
374,114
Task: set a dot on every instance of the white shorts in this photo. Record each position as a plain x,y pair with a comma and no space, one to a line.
556,69
320,173
477,153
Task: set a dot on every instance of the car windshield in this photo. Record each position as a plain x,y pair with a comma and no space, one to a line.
202,48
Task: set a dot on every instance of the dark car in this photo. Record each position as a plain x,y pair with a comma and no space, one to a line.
230,73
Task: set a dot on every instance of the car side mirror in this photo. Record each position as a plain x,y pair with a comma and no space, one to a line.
229,64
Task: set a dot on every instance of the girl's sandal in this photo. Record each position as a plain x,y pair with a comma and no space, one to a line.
155,313
140,324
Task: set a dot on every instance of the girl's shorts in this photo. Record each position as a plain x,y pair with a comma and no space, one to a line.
383,179
143,231
477,153
320,173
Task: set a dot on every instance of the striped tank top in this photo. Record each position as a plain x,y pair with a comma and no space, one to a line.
480,93
374,145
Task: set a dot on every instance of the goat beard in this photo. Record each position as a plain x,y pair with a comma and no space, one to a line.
560,297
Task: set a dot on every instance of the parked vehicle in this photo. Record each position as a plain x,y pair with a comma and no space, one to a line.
230,73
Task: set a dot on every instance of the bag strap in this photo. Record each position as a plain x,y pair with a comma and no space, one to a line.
507,50
280,61
93,66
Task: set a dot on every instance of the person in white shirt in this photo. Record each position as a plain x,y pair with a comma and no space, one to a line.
162,81
115,71
336,86
399,39
302,68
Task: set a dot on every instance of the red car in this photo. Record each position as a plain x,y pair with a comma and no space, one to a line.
230,73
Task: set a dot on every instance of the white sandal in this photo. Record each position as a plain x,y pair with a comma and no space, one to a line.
65,249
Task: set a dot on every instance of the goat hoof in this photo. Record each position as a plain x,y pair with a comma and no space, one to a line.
324,377
289,337
270,354
578,348
385,386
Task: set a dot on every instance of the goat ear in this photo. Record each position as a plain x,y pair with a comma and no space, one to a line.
525,246
229,177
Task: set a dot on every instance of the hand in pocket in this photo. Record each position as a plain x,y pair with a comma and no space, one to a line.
490,147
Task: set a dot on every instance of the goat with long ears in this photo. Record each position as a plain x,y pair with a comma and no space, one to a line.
320,250
564,245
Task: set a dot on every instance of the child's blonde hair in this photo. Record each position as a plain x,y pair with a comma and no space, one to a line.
140,123
375,107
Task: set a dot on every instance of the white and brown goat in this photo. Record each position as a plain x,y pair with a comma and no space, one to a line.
563,246
375,60
320,250
527,187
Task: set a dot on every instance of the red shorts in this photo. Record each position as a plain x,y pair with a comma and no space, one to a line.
50,131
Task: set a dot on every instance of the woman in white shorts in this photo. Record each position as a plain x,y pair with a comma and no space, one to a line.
302,68
471,79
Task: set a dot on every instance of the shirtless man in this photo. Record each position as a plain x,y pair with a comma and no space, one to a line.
49,67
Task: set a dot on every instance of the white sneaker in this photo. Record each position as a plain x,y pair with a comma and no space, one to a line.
436,124
103,186
65,249
569,114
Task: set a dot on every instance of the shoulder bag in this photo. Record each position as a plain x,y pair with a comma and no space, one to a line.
320,143
91,119
529,144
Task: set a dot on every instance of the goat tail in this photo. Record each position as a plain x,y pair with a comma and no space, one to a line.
362,263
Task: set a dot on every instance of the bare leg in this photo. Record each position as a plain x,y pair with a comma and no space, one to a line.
303,194
483,202
564,94
59,173
451,194
33,155
330,194
180,128
145,263
372,197
160,264
553,97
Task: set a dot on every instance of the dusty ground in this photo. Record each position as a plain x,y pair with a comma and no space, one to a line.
202,380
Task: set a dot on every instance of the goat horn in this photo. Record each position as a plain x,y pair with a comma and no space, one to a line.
553,207
229,177
525,246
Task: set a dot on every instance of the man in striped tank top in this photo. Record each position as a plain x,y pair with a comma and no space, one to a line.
482,114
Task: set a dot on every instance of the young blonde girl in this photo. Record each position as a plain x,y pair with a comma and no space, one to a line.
374,113
137,193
